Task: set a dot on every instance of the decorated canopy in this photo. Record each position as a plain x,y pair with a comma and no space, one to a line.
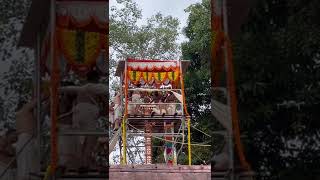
153,65
84,15
81,33
149,71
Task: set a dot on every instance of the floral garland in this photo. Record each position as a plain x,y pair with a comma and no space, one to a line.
158,77
80,49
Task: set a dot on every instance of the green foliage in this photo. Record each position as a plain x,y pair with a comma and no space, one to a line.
276,60
156,39
197,78
16,79
197,49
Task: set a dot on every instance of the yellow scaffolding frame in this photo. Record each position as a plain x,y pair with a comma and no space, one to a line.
187,114
123,124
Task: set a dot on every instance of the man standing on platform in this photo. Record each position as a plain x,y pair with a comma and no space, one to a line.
117,110
7,153
27,160
86,111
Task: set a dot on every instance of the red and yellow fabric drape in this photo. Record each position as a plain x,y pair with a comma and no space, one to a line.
80,49
83,15
148,77
153,70
81,33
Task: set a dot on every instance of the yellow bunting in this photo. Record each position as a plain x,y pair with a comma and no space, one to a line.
147,76
68,39
92,47
134,76
173,75
160,76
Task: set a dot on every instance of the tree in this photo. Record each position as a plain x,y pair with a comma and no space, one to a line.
197,78
16,80
156,39
277,71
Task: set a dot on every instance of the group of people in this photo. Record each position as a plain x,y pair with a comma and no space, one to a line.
152,103
166,84
79,110
143,102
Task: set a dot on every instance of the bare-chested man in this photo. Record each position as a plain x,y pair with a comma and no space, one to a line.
25,124
69,146
7,153
86,111
117,110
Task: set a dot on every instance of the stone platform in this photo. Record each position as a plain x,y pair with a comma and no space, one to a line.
160,172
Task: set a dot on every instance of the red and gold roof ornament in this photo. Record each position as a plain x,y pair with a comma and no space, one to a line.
153,65
81,32
153,70
85,15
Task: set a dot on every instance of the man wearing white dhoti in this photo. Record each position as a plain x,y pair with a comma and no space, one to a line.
222,160
6,156
27,160
117,110
86,111
111,115
136,98
68,146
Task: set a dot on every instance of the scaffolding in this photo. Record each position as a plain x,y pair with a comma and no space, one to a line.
164,120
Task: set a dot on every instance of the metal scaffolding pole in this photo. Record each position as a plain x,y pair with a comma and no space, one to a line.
188,118
124,135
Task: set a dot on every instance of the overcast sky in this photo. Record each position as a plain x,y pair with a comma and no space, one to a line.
174,8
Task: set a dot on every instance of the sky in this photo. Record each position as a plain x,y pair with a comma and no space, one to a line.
174,8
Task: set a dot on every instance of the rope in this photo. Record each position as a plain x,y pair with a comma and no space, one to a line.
200,158
200,131
193,144
48,172
14,159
